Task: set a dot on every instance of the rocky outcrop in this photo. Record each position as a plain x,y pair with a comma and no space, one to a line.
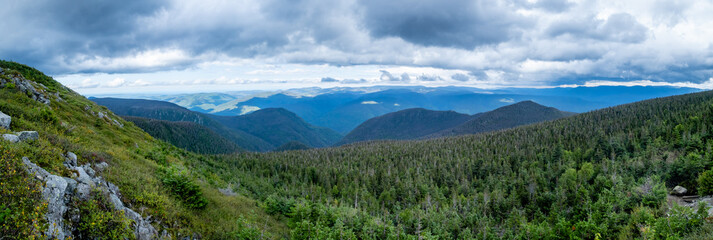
58,192
5,120
26,86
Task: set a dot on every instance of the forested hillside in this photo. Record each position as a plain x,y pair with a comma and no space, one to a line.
598,175
278,126
405,124
188,135
522,113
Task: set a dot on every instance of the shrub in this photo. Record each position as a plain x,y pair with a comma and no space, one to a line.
245,230
182,186
705,183
98,221
21,207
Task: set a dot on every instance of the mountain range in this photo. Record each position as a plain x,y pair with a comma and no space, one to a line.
342,109
263,130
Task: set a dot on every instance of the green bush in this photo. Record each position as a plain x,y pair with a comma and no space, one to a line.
245,230
98,221
21,207
705,183
182,186
278,205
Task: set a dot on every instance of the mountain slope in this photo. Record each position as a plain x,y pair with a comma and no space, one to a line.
278,126
405,124
157,180
188,135
171,112
522,113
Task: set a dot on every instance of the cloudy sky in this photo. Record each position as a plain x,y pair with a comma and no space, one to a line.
100,46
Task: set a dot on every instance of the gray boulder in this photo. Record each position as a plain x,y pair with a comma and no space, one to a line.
5,120
679,191
70,160
89,170
54,193
28,135
34,169
101,166
116,202
11,138
142,227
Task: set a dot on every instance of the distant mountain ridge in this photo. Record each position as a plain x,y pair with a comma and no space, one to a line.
521,113
343,109
262,130
410,123
278,126
419,123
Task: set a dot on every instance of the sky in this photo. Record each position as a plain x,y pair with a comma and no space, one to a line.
100,46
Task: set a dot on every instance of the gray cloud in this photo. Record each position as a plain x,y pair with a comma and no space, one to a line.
329,80
353,81
386,76
512,41
460,77
620,27
454,23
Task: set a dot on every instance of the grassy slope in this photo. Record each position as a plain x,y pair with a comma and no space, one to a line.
131,154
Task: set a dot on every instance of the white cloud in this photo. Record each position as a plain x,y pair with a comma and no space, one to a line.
645,83
117,82
507,100
369,102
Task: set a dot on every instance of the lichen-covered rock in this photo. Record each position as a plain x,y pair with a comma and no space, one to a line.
5,120
142,227
34,169
89,170
54,193
11,138
70,160
28,136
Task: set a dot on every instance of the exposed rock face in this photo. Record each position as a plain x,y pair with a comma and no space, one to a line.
679,191
5,120
11,137
59,191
